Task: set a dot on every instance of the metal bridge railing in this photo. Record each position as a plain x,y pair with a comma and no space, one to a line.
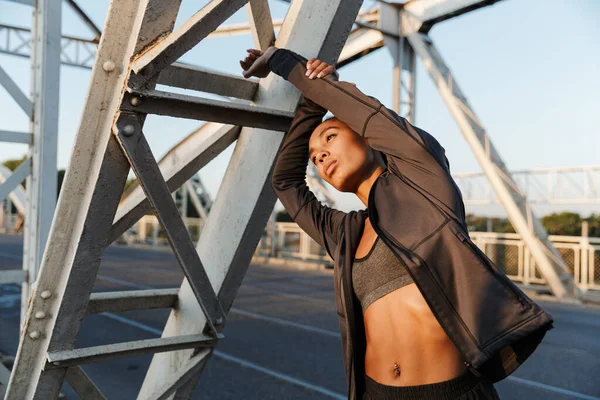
288,240
507,250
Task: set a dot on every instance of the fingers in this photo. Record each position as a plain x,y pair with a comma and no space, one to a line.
250,58
255,52
318,68
326,71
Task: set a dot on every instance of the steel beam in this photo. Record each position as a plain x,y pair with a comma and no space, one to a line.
246,199
166,51
17,195
82,384
8,276
426,13
85,19
181,163
184,106
563,185
547,258
76,52
42,183
15,137
16,93
196,200
206,80
132,300
11,182
183,375
129,133
80,52
93,184
261,26
404,61
60,359
360,43
317,186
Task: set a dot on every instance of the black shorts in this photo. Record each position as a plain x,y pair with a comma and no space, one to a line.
468,386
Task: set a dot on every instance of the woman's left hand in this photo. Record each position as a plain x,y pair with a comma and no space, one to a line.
319,69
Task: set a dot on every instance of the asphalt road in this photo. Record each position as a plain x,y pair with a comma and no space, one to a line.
281,339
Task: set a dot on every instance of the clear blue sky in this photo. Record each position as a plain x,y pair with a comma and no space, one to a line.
529,68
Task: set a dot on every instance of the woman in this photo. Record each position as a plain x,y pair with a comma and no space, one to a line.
423,313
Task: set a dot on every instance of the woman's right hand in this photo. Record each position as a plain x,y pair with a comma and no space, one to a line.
256,62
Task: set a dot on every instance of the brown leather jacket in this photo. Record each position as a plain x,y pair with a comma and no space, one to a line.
417,209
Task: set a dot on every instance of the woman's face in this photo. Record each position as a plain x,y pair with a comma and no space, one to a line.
342,157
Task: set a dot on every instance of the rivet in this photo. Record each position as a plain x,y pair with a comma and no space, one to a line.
128,130
40,315
135,101
46,294
109,66
34,335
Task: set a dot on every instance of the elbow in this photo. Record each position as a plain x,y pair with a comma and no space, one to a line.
276,182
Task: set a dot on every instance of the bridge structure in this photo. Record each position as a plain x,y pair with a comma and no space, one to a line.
15,198
138,49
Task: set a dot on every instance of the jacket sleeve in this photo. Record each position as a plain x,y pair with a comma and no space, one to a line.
384,129
412,154
320,222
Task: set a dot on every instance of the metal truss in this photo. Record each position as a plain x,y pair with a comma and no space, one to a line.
317,186
80,52
568,185
39,169
110,141
16,198
201,200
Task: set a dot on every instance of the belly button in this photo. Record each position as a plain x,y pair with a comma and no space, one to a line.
396,370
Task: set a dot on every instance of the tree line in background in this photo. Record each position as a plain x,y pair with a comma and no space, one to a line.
564,223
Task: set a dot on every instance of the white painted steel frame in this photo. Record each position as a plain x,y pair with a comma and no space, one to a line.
43,181
404,63
79,52
146,169
42,109
16,93
84,214
76,247
426,13
245,197
563,185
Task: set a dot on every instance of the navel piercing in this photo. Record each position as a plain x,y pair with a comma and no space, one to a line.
396,369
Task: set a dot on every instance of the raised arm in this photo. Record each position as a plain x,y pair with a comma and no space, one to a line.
322,223
414,154
384,130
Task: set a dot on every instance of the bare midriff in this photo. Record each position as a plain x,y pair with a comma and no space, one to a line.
406,345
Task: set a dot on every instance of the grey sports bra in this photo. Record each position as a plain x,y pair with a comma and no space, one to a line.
377,274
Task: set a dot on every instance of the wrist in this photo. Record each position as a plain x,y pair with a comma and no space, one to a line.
270,51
